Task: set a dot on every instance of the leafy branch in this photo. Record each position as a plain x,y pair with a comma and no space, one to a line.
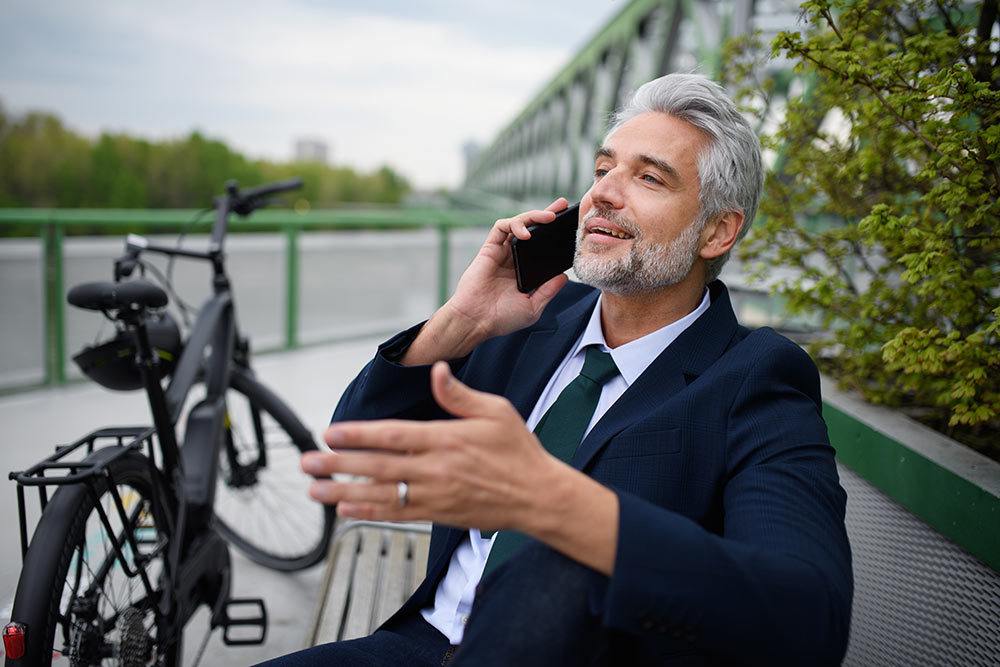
888,220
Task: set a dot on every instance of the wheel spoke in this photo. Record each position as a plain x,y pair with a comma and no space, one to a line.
267,512
103,612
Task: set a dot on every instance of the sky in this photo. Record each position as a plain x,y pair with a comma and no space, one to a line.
381,81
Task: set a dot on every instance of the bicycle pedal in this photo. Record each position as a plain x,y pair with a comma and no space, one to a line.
251,613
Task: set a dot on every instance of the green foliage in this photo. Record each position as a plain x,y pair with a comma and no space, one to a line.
43,164
885,199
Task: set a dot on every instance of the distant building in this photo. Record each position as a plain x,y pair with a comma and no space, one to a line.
470,151
311,150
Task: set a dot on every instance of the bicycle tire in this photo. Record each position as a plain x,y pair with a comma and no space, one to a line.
273,521
64,536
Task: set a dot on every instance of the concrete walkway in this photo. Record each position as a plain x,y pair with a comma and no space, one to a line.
32,423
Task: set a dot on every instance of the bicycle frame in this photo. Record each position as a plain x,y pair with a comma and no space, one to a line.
192,470
216,336
207,355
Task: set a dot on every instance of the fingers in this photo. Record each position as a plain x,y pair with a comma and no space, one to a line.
546,291
518,225
363,500
461,400
375,512
331,493
379,466
559,204
394,435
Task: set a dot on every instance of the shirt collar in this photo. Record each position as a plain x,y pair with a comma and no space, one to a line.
634,357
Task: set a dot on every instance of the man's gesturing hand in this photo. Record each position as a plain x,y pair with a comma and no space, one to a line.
485,470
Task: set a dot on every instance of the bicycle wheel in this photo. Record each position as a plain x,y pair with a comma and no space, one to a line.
261,501
80,605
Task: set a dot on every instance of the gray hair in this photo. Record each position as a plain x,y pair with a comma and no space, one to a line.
730,172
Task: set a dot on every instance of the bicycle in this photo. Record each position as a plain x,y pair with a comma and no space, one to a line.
133,541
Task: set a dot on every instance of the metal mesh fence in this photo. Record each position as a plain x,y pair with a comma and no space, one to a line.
918,598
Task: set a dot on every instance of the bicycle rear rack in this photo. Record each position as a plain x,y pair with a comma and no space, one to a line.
63,469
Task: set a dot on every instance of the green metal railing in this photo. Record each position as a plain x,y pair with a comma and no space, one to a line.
52,226
953,505
949,503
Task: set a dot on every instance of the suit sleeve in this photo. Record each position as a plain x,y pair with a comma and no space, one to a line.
776,585
386,389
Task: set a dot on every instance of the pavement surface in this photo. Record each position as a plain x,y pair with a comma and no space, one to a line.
32,423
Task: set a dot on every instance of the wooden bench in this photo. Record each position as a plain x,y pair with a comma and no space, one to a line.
371,570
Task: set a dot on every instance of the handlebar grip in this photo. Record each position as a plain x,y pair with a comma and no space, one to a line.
271,189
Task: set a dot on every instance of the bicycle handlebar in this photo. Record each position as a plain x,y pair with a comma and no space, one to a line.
247,201
243,204
240,202
271,189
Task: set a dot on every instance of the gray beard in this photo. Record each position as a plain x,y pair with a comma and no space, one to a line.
647,266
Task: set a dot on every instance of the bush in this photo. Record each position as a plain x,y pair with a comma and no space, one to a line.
885,199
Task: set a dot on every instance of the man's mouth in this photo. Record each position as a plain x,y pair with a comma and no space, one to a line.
603,228
618,234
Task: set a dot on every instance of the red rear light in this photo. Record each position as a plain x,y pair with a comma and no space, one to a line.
13,640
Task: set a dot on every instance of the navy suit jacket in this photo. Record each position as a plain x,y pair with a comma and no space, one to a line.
731,539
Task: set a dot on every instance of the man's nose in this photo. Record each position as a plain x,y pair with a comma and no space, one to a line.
608,191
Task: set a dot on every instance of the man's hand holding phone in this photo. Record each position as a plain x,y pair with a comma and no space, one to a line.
548,253
487,302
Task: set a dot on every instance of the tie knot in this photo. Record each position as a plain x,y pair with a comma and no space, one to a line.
598,366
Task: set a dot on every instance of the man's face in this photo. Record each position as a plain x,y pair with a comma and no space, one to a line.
646,190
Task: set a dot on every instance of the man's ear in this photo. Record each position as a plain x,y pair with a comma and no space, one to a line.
720,234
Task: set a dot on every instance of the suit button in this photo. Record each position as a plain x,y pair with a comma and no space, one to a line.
676,634
648,625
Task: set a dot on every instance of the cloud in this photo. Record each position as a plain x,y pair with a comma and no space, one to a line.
381,86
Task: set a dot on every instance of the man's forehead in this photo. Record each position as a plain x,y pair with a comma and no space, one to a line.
659,124
656,137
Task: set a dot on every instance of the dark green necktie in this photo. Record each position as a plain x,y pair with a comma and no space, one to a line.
561,432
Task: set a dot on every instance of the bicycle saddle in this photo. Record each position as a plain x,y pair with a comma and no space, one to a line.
103,295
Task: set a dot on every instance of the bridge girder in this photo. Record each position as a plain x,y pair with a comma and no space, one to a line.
548,149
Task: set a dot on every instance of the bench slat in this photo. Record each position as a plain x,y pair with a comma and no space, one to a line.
370,572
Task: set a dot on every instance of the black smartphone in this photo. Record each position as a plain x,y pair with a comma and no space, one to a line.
548,252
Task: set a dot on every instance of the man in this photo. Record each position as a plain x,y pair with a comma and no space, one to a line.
678,500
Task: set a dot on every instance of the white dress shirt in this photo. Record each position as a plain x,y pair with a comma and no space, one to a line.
457,590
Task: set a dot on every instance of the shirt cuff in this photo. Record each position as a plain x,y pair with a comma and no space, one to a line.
394,349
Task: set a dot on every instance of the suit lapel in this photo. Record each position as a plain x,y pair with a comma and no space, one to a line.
697,348
655,386
449,539
542,353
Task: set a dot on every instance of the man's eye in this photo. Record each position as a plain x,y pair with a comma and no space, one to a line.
600,172
649,178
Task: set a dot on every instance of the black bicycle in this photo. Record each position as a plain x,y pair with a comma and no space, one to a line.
134,539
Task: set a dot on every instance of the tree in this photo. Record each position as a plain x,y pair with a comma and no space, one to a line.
885,199
118,167
42,163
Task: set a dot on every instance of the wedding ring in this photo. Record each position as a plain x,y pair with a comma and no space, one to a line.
402,493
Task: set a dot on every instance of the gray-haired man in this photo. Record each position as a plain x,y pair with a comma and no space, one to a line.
617,473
